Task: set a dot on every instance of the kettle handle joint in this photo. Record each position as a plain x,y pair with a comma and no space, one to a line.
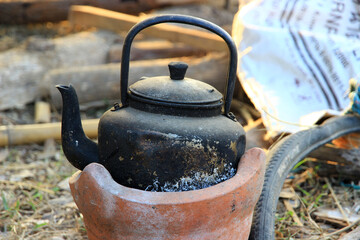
125,59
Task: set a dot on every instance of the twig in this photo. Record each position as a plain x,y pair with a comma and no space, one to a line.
303,176
26,166
253,125
286,122
293,215
337,201
342,229
308,215
29,185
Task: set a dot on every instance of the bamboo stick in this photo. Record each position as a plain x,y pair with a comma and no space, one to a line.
36,133
42,112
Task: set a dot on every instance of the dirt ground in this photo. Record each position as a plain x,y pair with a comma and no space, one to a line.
36,202
35,199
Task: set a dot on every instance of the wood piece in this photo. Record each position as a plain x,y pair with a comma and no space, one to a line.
302,177
42,112
331,220
353,235
177,2
102,82
287,193
337,201
219,16
350,172
114,21
335,161
37,133
143,50
294,216
22,71
27,11
337,155
348,141
335,216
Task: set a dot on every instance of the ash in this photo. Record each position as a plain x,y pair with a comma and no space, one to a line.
199,180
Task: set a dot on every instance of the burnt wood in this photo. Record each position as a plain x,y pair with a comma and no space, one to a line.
30,11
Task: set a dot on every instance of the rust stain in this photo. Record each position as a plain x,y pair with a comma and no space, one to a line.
233,147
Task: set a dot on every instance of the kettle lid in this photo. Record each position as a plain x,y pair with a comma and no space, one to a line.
176,88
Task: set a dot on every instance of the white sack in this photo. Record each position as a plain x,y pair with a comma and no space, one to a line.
298,57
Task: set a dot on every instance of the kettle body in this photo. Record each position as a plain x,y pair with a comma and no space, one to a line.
166,128
142,147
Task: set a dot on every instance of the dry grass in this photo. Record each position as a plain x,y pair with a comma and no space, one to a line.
36,202
311,196
35,198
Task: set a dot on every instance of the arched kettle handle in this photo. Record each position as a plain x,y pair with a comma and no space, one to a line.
125,59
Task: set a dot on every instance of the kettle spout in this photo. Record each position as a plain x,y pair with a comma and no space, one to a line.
77,147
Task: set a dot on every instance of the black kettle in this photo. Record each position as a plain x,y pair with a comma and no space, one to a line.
166,127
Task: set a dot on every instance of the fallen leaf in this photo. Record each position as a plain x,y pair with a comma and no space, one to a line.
64,184
335,214
20,176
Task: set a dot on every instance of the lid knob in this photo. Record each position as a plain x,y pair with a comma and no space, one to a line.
177,70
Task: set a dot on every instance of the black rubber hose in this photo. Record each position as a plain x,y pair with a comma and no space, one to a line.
281,159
